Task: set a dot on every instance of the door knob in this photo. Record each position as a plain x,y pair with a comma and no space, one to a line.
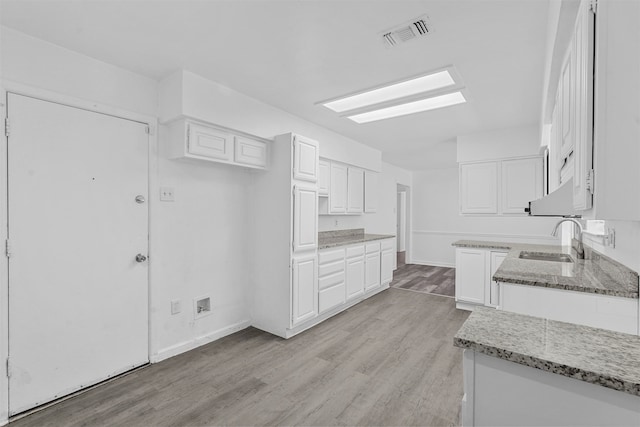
141,258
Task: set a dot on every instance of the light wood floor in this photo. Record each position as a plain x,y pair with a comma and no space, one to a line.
389,360
425,278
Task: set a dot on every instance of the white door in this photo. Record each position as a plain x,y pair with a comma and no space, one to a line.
338,188
479,188
323,177
305,218
355,276
370,191
372,270
78,298
470,275
494,287
305,159
355,190
305,289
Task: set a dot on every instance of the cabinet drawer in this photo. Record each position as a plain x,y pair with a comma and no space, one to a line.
355,251
331,297
387,244
373,247
332,280
331,268
326,257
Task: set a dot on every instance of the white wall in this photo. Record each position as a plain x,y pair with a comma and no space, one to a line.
627,246
437,222
186,93
499,144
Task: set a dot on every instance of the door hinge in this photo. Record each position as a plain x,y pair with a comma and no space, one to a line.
7,127
7,248
147,130
8,367
593,5
590,181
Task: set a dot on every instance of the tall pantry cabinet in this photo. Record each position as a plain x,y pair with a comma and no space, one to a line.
283,222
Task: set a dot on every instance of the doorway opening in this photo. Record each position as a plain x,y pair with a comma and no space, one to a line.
403,239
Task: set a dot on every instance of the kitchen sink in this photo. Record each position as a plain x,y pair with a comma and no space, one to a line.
542,256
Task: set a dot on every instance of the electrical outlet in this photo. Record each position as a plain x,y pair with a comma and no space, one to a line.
167,194
336,222
176,306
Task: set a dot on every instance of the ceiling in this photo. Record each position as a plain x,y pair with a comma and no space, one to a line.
292,54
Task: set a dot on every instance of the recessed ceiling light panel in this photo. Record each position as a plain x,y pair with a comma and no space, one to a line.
410,108
422,84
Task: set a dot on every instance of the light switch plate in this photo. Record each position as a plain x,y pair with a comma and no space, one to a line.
167,194
176,306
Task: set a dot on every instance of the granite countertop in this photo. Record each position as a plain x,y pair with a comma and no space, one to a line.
596,274
332,239
597,356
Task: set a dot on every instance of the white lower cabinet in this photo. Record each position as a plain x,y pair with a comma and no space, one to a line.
355,271
351,273
474,277
598,311
387,257
372,266
305,288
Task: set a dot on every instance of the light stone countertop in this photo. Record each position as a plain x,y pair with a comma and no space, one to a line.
597,274
332,239
597,356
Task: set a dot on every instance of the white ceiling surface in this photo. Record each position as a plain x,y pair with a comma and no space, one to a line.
292,54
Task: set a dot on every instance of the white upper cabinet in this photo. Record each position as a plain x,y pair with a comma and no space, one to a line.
566,92
189,139
305,159
324,177
250,152
305,218
209,142
521,183
338,191
355,190
370,191
479,188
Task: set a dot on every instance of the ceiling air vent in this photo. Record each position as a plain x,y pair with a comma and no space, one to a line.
411,30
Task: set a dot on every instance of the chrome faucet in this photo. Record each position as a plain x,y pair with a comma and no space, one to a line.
580,250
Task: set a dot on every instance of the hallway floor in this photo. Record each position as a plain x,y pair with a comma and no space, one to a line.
426,279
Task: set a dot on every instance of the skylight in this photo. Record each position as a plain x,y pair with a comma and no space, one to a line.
427,83
410,108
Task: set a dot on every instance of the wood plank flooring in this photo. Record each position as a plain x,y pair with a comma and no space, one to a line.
387,361
425,278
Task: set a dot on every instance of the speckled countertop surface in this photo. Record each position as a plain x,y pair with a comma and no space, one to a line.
597,356
332,239
597,274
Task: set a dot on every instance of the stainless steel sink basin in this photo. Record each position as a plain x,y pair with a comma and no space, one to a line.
542,256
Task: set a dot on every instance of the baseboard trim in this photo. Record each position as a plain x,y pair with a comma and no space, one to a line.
433,263
196,342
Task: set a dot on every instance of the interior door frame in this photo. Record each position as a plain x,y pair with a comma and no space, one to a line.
7,87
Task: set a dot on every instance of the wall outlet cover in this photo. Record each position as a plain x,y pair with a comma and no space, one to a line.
176,306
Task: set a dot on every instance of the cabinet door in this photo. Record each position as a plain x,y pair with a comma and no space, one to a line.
372,271
304,295
305,159
324,175
355,190
566,98
386,266
305,218
522,182
338,189
583,112
479,188
355,276
209,142
370,191
471,274
493,299
250,152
